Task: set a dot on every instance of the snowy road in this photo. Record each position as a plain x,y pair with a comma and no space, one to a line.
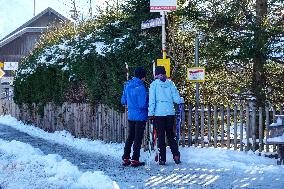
200,168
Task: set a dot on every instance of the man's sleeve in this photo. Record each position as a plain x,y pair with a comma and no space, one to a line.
176,97
124,96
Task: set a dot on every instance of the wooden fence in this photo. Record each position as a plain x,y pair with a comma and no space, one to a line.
238,127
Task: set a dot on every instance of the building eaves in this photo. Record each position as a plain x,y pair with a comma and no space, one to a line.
49,9
21,32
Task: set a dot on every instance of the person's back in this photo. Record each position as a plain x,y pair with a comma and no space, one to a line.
136,100
163,95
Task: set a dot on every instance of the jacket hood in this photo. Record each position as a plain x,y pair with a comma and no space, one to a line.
135,82
167,83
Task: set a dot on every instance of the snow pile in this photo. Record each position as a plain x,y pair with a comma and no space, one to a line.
278,122
32,169
65,138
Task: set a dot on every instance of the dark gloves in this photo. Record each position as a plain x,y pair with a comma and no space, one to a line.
151,118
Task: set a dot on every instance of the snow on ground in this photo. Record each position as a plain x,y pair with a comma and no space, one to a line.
22,166
200,168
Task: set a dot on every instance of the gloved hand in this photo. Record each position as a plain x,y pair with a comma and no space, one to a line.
182,100
151,117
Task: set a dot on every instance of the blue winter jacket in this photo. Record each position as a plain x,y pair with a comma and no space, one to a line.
162,96
136,98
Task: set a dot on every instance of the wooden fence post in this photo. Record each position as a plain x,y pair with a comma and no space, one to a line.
209,124
202,126
183,128
235,126
241,127
196,126
266,127
189,123
222,125
215,125
253,126
247,128
260,130
228,127
274,120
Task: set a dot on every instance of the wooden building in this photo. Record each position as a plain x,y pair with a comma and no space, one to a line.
21,41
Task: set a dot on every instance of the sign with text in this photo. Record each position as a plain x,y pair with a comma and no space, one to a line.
10,65
151,23
163,5
196,74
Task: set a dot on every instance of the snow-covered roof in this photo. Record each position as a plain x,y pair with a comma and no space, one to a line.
26,27
20,33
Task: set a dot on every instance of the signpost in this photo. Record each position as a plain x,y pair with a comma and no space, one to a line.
161,6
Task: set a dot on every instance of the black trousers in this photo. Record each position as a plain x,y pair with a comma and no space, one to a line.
165,126
135,134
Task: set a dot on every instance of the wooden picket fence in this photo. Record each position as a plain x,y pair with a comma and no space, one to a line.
235,127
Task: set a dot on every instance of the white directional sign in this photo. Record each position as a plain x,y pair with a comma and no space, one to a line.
151,23
11,65
163,5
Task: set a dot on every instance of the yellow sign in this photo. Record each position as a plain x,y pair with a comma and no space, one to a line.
167,64
2,73
196,74
1,64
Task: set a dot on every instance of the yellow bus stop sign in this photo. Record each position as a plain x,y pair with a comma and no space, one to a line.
1,64
167,64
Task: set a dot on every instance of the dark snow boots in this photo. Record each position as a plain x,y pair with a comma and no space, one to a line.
132,163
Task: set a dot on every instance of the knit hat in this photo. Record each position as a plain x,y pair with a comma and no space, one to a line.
140,72
160,70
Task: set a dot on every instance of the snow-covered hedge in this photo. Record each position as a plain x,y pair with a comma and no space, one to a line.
74,69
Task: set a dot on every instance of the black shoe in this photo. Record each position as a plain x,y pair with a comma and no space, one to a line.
177,159
162,163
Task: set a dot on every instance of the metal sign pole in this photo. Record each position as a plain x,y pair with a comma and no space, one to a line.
196,61
163,13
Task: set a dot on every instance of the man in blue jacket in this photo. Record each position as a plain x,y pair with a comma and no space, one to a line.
136,98
162,96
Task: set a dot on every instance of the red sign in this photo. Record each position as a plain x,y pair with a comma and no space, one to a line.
162,8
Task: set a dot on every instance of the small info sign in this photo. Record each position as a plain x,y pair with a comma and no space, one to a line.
151,23
196,74
163,5
11,65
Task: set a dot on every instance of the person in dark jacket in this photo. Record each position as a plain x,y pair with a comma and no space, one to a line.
135,97
162,96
